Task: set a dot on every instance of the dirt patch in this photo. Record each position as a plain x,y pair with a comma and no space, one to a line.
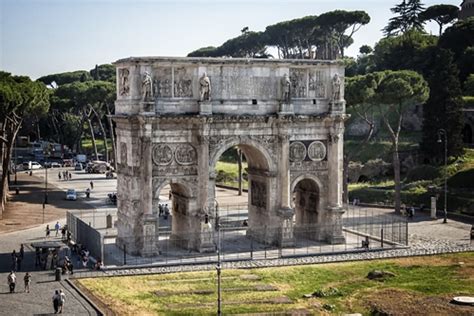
398,302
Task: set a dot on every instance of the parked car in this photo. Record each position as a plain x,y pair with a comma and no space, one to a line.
31,165
78,166
71,195
53,164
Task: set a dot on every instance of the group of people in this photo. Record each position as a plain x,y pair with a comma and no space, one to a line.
164,211
12,281
17,258
59,298
66,175
57,229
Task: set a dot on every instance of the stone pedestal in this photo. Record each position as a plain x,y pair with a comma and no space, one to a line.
150,235
205,108
286,235
335,235
286,109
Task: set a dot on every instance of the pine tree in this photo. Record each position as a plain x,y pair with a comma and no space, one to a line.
407,18
443,108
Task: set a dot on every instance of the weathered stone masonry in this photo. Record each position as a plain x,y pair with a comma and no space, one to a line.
176,116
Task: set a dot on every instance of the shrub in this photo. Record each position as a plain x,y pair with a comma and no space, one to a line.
423,172
462,179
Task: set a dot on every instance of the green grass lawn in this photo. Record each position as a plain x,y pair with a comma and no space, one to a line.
344,286
87,144
230,174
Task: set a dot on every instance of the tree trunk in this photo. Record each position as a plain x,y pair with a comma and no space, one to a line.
10,135
396,177
94,145
112,136
104,134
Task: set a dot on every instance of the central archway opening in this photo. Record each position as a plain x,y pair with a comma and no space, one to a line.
243,214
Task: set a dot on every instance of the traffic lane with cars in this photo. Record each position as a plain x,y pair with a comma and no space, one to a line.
80,181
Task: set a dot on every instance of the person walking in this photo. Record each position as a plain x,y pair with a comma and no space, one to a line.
62,300
22,251
56,228
18,262
14,261
27,280
56,298
59,175
12,281
63,233
92,185
47,231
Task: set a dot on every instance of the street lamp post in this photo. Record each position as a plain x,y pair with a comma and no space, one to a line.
442,132
218,266
45,185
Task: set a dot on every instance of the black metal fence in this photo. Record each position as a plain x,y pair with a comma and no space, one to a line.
363,230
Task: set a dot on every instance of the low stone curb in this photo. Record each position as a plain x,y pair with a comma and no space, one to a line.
85,297
389,254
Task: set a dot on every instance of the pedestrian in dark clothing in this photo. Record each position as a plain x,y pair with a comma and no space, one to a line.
70,176
27,280
37,257
47,231
22,251
59,175
14,261
63,233
56,299
92,185
12,281
18,263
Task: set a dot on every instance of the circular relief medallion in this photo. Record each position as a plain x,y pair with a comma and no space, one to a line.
162,155
297,151
316,151
185,154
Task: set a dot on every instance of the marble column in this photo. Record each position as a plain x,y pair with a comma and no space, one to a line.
335,209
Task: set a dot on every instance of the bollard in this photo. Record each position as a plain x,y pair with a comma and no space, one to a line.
381,237
57,274
17,190
124,254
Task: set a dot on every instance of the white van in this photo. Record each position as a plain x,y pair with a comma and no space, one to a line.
31,165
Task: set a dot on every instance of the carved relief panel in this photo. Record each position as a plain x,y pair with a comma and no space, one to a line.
162,82
124,84
183,87
258,194
298,83
175,159
123,153
317,84
307,151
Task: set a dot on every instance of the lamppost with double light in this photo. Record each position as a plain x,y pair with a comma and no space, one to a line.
442,132
218,266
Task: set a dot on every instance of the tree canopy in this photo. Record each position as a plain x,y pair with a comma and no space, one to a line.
407,18
442,14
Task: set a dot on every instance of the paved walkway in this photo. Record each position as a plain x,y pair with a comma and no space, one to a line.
23,224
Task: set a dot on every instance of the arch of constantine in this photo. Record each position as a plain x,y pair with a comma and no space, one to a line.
175,117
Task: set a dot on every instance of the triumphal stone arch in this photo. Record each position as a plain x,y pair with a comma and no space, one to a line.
175,117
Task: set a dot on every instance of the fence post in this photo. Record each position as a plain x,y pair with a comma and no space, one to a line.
251,248
406,232
124,254
381,237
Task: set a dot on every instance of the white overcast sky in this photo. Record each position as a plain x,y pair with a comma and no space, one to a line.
40,37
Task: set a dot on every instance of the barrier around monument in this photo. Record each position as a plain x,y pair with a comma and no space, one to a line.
383,232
